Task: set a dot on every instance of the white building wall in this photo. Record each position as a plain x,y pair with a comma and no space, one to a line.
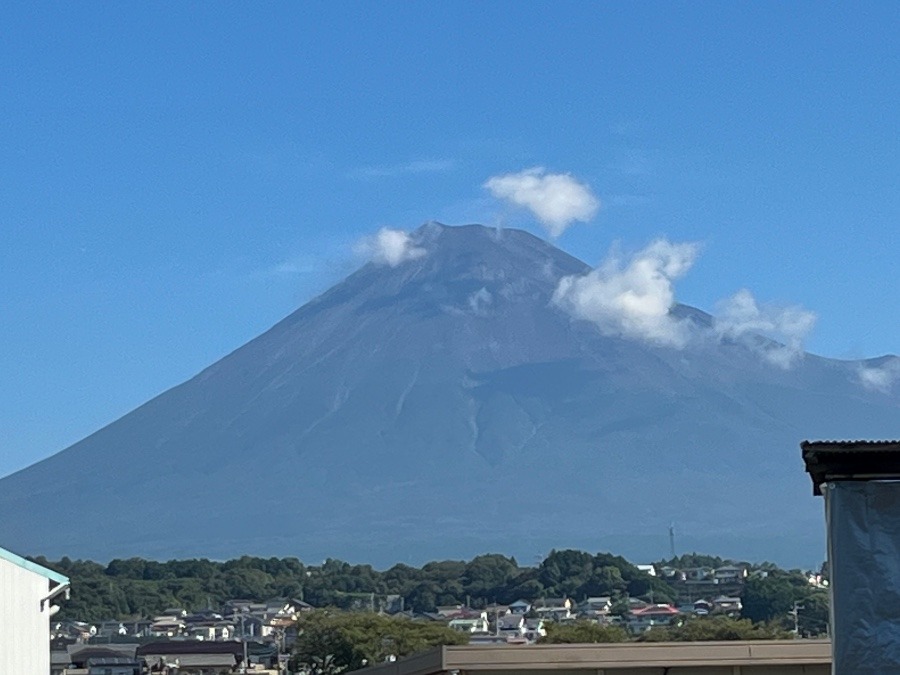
24,626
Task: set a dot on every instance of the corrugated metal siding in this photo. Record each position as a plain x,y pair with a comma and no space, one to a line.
24,627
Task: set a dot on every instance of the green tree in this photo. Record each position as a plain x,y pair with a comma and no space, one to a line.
486,576
813,617
606,580
582,632
354,640
714,628
772,597
689,560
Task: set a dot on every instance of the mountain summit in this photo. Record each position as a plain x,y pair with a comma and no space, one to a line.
445,405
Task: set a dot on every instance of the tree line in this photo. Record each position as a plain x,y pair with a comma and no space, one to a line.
138,588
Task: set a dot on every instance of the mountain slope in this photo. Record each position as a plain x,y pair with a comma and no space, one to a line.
445,407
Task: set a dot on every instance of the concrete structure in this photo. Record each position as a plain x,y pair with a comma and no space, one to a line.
763,657
860,481
27,591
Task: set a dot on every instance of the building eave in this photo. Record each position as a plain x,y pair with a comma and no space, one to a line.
24,563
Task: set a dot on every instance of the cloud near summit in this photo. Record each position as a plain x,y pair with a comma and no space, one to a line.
741,315
389,247
633,298
555,199
880,378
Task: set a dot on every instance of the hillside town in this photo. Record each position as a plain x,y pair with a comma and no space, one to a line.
248,635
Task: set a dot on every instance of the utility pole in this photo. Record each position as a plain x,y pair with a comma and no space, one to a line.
795,613
244,640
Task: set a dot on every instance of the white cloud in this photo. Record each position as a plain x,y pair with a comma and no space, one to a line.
480,300
556,199
633,298
390,247
880,378
741,315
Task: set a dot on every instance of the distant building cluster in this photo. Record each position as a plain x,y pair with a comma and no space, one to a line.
703,590
214,640
178,642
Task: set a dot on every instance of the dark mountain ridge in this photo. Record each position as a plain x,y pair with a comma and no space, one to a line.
446,407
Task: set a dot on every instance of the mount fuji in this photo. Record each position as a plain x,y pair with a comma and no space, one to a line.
446,405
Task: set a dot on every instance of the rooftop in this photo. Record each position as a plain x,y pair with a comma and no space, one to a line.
24,563
801,656
850,460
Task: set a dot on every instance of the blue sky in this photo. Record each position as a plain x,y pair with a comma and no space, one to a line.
176,177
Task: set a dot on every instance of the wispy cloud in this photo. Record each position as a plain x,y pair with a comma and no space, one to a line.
419,166
741,315
296,265
389,247
880,378
633,298
631,162
555,199
480,301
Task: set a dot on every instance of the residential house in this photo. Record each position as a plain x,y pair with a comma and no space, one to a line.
520,607
667,572
59,661
554,609
496,610
167,626
203,615
469,621
211,630
534,629
431,616
281,607
595,607
104,660
730,606
512,625
648,569
817,580
77,631
730,574
29,592
236,606
640,620
140,628
697,574
234,609
194,657
253,627
636,603
109,629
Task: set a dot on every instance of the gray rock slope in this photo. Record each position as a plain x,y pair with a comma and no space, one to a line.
445,407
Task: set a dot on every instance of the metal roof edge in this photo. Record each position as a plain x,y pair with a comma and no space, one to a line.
24,563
